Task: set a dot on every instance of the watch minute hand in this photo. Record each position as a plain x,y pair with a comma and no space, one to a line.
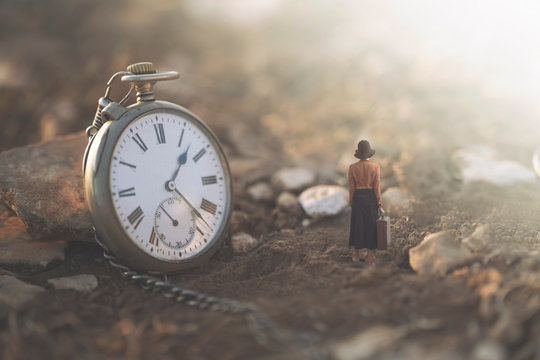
195,211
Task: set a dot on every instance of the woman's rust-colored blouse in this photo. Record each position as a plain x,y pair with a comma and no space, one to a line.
365,175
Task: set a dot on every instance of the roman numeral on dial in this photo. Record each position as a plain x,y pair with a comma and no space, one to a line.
199,155
136,217
127,192
140,142
209,180
208,206
154,240
160,133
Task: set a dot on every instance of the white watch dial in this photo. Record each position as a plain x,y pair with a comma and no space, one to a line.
168,185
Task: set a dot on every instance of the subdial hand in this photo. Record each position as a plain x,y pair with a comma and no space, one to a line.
174,222
181,161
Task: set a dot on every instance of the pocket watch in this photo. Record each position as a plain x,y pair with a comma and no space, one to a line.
156,181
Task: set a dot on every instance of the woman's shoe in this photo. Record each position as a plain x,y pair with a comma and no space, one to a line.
356,255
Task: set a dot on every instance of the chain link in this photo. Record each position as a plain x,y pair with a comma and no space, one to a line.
174,292
264,330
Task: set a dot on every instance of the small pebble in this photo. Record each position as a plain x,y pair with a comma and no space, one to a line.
261,191
242,242
292,179
82,283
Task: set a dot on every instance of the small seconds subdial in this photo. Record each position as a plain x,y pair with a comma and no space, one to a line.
174,223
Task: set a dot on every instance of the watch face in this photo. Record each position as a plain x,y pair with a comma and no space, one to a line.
168,184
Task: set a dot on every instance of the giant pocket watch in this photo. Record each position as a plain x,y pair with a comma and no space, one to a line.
156,180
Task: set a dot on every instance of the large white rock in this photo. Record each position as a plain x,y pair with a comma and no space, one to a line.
295,178
439,253
82,283
324,200
396,199
242,242
481,163
15,293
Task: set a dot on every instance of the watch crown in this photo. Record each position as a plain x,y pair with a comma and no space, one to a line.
141,68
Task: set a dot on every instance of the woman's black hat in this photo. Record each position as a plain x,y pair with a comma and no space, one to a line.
364,150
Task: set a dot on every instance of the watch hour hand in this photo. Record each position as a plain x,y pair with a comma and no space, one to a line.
182,159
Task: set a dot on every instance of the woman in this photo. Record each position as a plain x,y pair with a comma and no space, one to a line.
365,199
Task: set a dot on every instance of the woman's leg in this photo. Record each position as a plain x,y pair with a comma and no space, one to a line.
356,255
370,260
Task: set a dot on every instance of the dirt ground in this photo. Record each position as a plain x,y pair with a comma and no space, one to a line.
281,112
302,279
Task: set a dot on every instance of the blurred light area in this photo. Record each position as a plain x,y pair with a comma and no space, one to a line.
494,38
239,11
492,41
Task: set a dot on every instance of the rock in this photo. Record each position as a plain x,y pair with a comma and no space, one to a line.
61,119
82,283
292,179
15,293
248,170
508,329
482,164
489,350
242,242
368,343
414,349
395,199
287,201
330,175
42,184
261,191
18,250
536,161
324,200
288,211
439,253
479,239
239,221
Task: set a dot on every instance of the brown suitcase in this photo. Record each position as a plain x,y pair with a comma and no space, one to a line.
383,233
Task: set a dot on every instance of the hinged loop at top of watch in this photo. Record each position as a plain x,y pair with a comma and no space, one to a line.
103,102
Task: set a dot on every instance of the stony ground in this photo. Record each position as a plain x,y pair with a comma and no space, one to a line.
302,279
270,113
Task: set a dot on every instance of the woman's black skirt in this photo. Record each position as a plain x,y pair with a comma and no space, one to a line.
365,212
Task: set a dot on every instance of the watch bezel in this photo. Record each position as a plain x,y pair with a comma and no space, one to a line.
100,201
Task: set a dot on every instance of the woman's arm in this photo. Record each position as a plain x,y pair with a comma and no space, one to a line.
351,185
377,186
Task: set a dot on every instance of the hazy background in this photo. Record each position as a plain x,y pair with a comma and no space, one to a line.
291,80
